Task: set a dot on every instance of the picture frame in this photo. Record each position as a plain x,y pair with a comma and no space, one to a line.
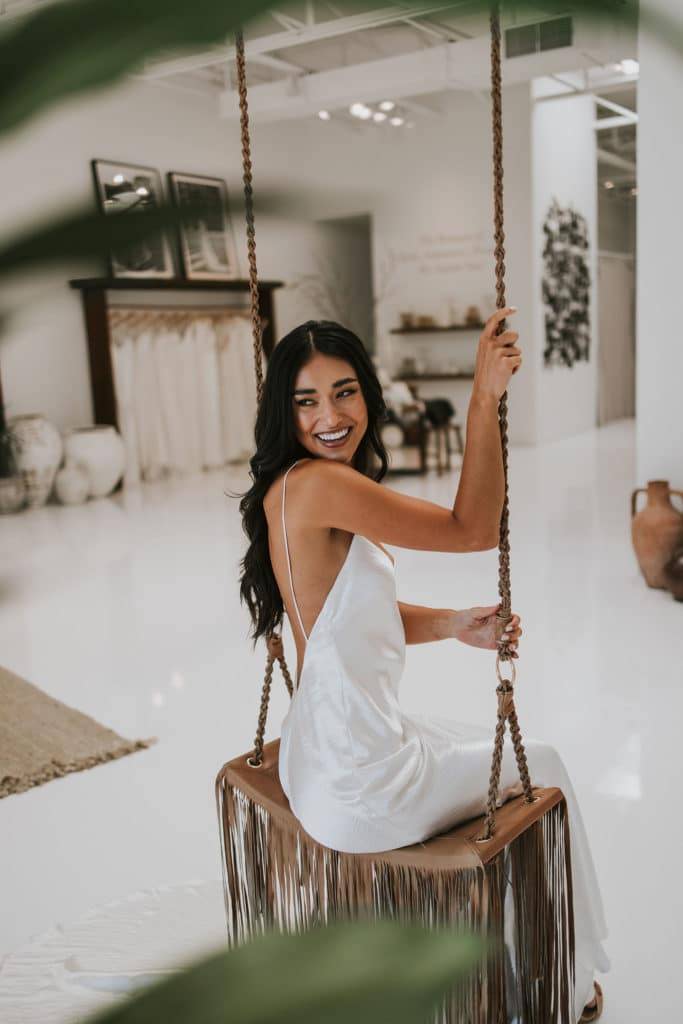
122,188
207,241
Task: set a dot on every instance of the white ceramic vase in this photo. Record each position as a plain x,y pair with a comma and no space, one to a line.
39,452
72,484
101,453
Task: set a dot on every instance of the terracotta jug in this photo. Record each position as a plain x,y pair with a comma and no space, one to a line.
656,530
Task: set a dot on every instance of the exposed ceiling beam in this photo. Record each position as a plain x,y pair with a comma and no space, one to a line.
287,21
616,108
612,83
614,122
296,37
462,65
607,157
275,62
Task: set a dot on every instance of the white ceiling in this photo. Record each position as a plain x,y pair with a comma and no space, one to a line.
313,54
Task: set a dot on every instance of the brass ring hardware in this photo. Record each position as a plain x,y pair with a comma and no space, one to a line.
500,677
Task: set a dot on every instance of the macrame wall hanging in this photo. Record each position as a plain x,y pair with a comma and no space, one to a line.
277,876
566,286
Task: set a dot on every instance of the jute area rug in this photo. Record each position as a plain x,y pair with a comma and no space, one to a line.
42,739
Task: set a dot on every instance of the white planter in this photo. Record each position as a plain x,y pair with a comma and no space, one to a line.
101,453
39,452
72,484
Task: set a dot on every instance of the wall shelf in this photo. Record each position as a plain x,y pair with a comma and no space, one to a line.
437,330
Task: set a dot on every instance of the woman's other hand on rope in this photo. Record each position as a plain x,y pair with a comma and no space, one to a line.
497,356
480,627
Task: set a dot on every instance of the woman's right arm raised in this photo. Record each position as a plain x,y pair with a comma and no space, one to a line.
332,494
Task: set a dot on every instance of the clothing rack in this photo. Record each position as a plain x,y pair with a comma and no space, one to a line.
135,317
101,311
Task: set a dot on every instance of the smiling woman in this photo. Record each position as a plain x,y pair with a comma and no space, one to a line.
360,774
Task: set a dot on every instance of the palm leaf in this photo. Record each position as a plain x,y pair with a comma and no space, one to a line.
84,233
346,973
65,48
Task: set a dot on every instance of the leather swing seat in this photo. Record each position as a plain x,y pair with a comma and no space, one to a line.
277,876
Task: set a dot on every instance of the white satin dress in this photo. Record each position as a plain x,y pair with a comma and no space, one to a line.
362,775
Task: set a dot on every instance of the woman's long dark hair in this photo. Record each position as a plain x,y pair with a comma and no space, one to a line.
277,448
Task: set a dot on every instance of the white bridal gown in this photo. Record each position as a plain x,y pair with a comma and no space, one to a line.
361,775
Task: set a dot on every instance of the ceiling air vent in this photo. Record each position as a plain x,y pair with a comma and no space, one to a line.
544,35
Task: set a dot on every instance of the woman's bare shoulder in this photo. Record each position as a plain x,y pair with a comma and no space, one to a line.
273,497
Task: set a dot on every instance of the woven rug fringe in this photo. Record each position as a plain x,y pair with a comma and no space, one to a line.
11,785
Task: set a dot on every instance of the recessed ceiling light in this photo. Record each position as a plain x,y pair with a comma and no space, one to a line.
360,110
629,66
118,179
387,105
634,191
396,121
324,115
142,191
609,184
379,116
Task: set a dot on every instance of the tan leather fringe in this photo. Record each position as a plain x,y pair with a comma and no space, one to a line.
276,876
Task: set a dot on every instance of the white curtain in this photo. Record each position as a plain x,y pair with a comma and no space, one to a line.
237,388
186,395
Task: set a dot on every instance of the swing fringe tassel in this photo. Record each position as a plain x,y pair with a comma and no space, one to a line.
277,877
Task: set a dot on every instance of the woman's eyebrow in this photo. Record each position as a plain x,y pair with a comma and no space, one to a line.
337,384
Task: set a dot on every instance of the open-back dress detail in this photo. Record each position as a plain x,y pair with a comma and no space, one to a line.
362,775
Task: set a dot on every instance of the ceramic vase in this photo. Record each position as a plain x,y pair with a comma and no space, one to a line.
656,530
673,571
100,452
39,452
72,484
12,494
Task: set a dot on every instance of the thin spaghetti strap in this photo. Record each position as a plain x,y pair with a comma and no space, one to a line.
289,563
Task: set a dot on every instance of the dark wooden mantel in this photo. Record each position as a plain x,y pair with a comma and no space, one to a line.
95,295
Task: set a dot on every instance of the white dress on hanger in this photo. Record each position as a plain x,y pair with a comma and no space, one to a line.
362,776
152,441
123,365
238,387
203,337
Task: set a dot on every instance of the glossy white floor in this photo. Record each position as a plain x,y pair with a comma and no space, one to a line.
127,609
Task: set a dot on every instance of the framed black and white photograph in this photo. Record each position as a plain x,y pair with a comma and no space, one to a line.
207,242
131,189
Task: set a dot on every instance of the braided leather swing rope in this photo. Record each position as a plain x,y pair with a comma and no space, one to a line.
274,641
249,214
505,690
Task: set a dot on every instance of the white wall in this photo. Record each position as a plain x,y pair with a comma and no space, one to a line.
426,188
43,355
565,168
433,236
659,353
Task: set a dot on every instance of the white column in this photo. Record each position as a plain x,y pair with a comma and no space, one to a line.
564,168
659,341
